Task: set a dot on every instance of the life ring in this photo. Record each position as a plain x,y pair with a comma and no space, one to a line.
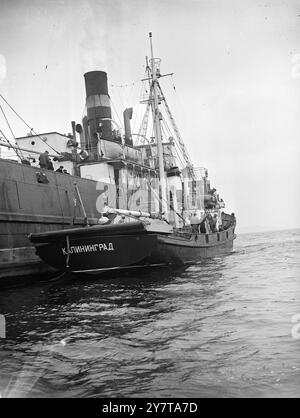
83,155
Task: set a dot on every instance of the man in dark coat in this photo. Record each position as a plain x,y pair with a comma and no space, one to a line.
44,159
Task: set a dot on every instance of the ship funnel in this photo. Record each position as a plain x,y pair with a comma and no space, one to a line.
127,115
98,107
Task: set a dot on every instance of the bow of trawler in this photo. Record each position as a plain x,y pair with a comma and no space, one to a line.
94,249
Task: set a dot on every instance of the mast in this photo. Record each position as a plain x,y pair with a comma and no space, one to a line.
158,134
184,151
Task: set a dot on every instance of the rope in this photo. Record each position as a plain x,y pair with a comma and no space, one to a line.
12,146
119,97
177,147
115,112
21,155
31,129
166,201
7,122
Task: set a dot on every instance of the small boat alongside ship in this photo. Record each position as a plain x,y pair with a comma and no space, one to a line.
154,238
147,242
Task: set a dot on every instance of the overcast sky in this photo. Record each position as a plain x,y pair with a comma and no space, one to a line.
237,78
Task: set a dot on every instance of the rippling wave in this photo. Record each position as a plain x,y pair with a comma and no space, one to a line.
218,328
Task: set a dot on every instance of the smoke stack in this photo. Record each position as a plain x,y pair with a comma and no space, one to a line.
127,115
98,106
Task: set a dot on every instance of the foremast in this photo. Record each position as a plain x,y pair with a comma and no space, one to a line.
187,159
158,132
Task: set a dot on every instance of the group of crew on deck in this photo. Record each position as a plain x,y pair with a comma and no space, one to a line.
212,200
210,223
45,162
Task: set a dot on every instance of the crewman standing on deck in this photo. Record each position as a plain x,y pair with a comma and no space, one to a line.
233,219
195,222
44,159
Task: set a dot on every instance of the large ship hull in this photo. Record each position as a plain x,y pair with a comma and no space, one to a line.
27,206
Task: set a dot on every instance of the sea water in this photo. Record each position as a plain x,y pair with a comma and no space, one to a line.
226,327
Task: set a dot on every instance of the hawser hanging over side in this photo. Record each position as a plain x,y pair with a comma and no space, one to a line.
103,166
181,231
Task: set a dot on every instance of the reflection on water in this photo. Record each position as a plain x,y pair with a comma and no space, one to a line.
218,328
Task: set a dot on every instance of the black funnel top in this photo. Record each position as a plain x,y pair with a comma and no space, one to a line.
95,83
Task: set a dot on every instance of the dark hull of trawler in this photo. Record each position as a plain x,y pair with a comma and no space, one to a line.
95,249
99,249
104,248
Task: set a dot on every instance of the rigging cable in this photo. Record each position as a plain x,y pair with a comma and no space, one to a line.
12,146
31,129
15,148
166,128
168,204
119,97
177,147
138,114
115,112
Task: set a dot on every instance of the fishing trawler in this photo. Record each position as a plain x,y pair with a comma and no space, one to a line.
185,221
